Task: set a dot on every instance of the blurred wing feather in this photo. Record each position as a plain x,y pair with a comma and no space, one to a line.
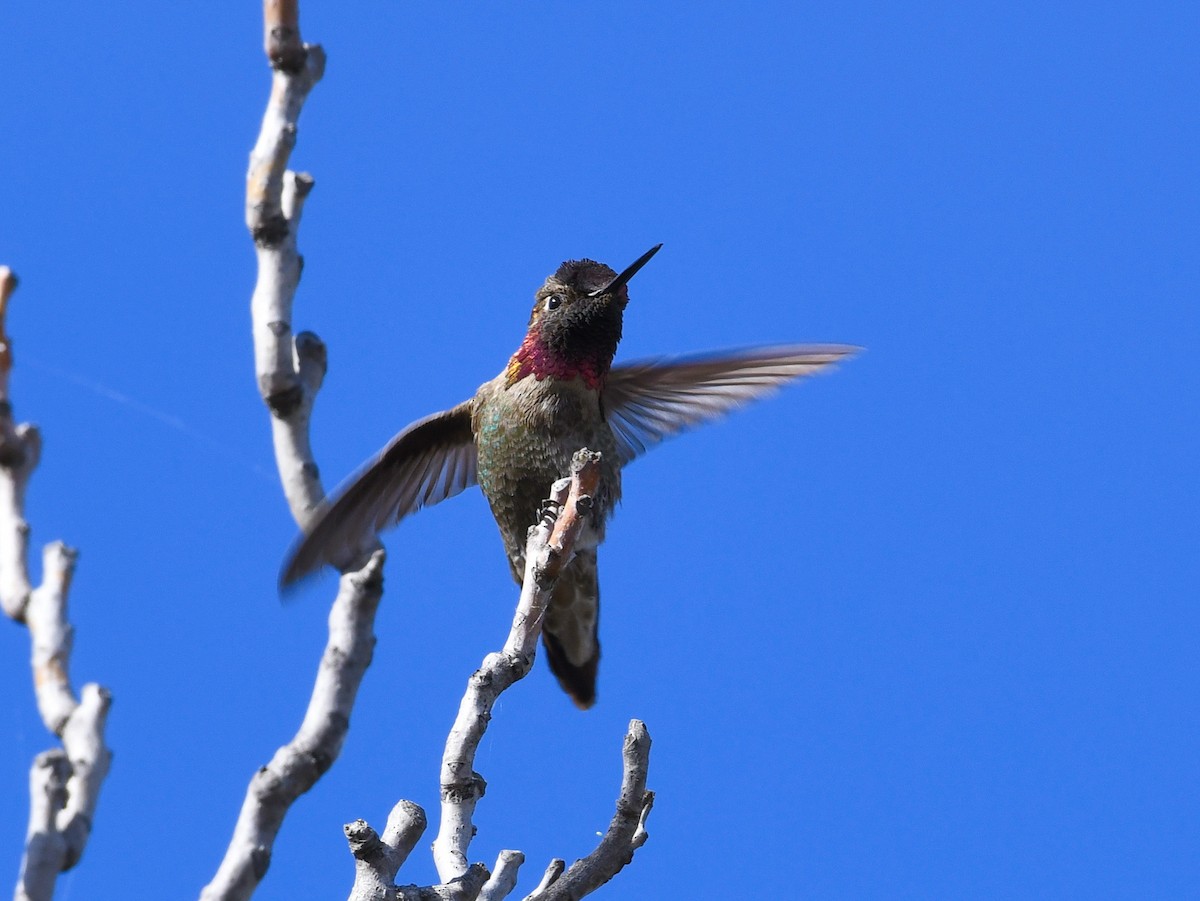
431,460
650,400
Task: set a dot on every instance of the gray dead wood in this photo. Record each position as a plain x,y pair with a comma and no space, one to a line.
64,783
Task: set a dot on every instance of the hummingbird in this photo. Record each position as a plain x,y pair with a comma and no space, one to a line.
517,435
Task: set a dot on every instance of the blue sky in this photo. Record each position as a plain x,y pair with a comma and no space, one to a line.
923,628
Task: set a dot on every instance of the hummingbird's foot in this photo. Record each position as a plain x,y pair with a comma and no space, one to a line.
551,507
549,513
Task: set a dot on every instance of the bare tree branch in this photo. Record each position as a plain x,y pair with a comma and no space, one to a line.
626,833
377,860
289,374
549,548
45,847
375,865
18,456
465,888
297,766
504,876
553,871
64,784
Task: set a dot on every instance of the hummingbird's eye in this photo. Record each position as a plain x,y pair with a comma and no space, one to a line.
554,301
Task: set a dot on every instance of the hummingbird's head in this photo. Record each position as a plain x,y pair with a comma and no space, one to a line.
575,325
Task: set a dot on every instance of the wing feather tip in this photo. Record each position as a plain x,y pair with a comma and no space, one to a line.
290,577
648,401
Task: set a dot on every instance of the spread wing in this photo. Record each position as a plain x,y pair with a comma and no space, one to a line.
650,400
431,460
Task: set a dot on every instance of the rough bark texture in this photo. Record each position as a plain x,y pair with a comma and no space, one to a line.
289,374
64,783
626,833
548,550
297,766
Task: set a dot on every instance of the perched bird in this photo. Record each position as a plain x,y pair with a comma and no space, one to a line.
516,436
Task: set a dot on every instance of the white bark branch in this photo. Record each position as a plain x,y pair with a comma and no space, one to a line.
504,876
626,833
64,783
18,456
83,740
289,374
53,636
405,826
465,888
549,548
553,870
376,859
297,766
274,202
45,847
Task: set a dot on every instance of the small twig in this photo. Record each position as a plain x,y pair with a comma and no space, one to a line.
553,871
626,833
281,35
504,877
465,888
64,784
20,448
405,826
377,860
585,472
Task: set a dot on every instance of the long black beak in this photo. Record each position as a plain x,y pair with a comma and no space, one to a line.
630,271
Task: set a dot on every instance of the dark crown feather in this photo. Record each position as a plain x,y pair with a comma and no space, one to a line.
582,276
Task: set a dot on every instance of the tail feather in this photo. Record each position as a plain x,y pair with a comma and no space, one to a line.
571,631
577,681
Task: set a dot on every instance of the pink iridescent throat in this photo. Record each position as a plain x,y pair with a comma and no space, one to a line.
533,358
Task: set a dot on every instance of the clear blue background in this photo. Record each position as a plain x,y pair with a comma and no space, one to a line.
924,628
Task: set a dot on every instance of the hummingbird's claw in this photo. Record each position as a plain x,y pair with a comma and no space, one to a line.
549,512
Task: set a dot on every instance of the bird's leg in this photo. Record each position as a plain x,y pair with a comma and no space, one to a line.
552,506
